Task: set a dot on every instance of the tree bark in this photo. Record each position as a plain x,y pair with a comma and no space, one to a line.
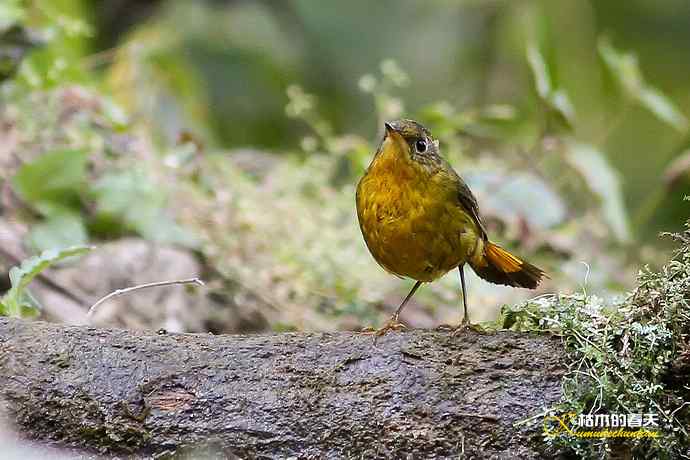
417,394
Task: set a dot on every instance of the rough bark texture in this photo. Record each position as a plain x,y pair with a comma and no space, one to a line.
418,394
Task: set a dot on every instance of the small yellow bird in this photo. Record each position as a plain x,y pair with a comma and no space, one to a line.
420,220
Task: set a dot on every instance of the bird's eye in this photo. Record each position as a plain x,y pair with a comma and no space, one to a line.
420,146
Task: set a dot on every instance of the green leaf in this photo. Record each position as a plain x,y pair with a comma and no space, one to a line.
163,229
555,99
29,306
560,102
53,178
542,78
59,230
603,180
624,68
30,310
17,299
127,193
133,198
661,106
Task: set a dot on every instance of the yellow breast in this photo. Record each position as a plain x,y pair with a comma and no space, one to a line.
411,220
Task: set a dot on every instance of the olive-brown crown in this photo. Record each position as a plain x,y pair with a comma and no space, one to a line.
409,129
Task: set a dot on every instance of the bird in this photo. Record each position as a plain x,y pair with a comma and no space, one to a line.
420,220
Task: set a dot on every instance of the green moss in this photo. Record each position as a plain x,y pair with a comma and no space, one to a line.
116,436
628,357
61,360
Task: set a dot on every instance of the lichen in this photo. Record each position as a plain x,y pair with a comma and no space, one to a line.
629,356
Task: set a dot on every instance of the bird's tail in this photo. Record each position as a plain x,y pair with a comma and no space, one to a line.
501,267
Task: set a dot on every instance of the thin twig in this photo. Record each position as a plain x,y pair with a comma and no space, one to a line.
120,292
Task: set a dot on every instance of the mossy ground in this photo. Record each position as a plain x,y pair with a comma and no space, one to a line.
628,357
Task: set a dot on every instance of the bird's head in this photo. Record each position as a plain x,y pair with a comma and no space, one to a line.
409,140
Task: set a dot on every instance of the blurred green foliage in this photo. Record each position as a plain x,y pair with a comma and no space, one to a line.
221,69
74,204
240,128
131,198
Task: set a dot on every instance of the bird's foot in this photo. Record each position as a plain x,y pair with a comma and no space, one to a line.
392,325
465,325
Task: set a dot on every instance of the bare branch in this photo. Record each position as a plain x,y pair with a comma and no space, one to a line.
120,292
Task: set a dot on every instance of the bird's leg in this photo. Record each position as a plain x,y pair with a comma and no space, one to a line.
466,316
465,324
393,323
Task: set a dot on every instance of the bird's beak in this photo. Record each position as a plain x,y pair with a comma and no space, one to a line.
390,129
393,140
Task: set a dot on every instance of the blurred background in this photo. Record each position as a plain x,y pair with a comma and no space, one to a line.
223,139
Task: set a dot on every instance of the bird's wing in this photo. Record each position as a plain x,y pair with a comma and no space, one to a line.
469,203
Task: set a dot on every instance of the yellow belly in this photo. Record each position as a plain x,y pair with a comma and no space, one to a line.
414,227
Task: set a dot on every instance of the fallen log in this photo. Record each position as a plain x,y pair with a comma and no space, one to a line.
416,394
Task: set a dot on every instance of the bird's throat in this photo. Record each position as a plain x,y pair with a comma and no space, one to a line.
394,161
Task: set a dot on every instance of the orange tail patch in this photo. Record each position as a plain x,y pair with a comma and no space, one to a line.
501,267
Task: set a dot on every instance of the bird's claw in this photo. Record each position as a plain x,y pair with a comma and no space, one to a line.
468,327
465,326
392,325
